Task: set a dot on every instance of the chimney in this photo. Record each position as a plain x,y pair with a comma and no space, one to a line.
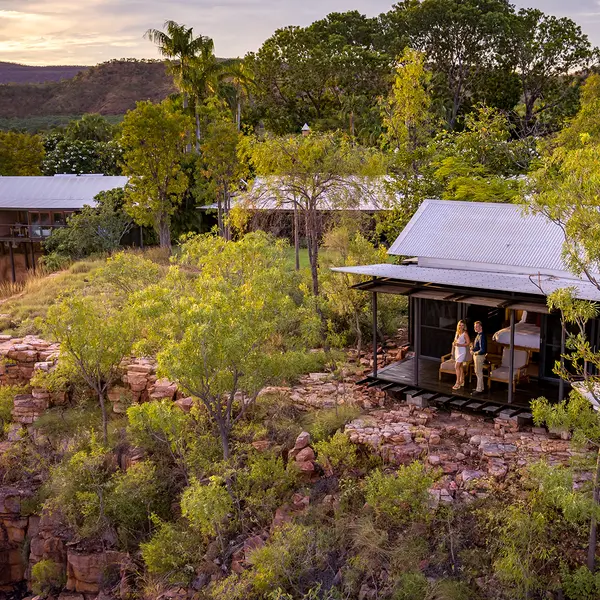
305,129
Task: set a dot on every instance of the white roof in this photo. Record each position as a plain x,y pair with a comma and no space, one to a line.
57,192
360,193
501,282
484,236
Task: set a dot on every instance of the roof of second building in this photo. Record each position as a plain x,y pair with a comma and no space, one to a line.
485,233
56,192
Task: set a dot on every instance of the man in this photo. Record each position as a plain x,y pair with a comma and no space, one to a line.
479,350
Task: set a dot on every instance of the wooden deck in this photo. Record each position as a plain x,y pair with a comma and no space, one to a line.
491,401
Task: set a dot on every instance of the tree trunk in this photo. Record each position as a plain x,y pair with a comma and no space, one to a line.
220,217
358,335
223,434
312,239
197,128
591,558
238,114
164,231
104,417
296,238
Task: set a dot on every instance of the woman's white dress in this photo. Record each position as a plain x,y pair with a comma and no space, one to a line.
460,352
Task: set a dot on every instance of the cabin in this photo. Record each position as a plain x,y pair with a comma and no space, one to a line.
487,262
32,207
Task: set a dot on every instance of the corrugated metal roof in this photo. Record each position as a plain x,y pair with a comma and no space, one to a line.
478,232
501,282
359,193
62,191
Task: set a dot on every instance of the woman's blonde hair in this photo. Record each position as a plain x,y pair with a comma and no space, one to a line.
458,331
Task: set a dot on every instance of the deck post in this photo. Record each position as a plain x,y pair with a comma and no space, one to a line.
561,382
511,365
374,307
416,339
32,256
12,262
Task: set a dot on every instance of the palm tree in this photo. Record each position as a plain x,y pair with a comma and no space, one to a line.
178,42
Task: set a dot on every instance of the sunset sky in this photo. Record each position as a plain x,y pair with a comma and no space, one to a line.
91,31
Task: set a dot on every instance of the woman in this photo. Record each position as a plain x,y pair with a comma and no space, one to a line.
460,348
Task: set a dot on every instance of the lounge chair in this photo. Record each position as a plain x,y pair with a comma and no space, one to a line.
520,364
448,364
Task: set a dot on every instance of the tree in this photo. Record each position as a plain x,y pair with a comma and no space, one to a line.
312,173
20,154
481,163
96,229
222,166
78,157
229,330
154,138
565,188
179,42
410,122
546,52
90,128
326,74
94,338
462,39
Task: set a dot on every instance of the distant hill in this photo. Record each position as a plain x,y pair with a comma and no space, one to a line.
111,88
15,73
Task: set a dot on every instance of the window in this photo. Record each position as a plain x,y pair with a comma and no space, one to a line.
438,325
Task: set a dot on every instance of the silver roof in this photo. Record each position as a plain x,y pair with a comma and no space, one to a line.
356,193
486,233
501,282
57,192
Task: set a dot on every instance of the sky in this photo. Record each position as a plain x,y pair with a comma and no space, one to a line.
86,32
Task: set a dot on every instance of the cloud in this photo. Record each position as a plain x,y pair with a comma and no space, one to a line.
92,31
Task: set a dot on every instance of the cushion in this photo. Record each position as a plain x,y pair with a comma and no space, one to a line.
448,366
501,374
521,358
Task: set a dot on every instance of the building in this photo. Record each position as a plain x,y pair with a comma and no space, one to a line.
32,207
478,262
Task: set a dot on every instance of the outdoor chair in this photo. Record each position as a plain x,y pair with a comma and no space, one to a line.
448,365
520,364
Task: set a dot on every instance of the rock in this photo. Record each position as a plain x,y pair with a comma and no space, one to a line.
85,571
434,439
466,476
497,469
261,445
434,460
497,450
185,404
251,544
305,454
302,440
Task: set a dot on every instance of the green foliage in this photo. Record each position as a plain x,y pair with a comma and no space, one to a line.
322,424
7,395
581,584
91,127
78,487
263,486
154,137
339,453
232,328
79,157
135,494
47,577
411,586
172,551
400,498
20,154
292,553
97,229
206,506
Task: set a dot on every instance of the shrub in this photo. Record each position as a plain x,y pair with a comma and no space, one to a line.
206,506
338,452
411,586
295,553
47,577
133,497
263,485
173,551
402,497
324,423
7,396
581,584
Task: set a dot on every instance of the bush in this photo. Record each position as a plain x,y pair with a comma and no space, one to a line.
324,423
173,551
402,497
7,396
411,586
206,506
338,452
47,577
581,584
133,497
263,486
